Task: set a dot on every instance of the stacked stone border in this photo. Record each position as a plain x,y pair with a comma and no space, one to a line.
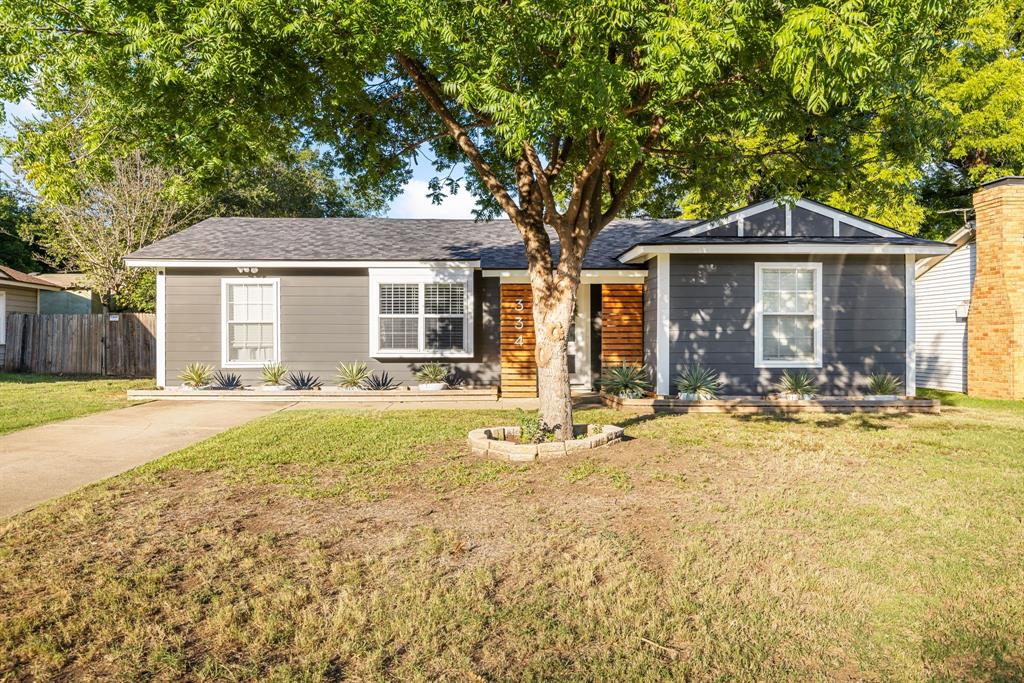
491,441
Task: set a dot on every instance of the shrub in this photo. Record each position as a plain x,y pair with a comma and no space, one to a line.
273,373
801,382
532,428
196,375
884,383
627,381
228,381
696,379
432,373
352,375
302,381
380,382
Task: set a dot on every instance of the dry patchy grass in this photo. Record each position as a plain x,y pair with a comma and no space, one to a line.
317,545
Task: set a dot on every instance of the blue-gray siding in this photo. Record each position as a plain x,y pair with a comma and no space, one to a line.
324,321
651,318
864,319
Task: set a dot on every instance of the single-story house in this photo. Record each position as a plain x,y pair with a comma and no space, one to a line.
944,285
749,294
19,293
75,295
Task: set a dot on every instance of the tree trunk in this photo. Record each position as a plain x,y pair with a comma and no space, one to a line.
552,315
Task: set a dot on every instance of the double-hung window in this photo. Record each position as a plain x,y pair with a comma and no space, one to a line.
250,316
421,312
787,308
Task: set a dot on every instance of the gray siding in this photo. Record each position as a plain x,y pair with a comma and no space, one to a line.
324,321
19,300
651,317
864,319
941,335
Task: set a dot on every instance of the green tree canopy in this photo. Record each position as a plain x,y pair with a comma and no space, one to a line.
569,113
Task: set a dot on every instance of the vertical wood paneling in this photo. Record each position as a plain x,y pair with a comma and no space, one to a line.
518,342
81,344
622,316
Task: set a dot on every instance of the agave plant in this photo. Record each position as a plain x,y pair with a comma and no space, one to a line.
432,373
196,375
698,382
380,382
627,381
273,373
228,381
884,383
352,375
800,383
302,381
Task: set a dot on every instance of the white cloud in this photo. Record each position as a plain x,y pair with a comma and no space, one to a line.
414,203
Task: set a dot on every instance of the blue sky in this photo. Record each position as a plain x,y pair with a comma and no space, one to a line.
412,203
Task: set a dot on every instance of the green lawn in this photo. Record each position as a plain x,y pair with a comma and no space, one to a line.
317,545
30,400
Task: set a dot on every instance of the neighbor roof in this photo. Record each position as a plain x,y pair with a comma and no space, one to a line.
11,277
496,244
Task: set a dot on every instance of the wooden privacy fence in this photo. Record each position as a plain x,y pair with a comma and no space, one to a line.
120,345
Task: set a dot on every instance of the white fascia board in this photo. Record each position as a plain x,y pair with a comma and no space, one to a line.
843,217
643,252
198,263
589,276
739,214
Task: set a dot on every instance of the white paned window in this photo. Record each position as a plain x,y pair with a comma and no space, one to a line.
421,312
787,315
251,328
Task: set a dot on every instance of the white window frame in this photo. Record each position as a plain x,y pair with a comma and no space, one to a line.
759,361
224,341
421,277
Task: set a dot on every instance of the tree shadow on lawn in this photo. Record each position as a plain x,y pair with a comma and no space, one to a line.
861,421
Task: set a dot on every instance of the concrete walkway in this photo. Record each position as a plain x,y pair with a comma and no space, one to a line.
48,461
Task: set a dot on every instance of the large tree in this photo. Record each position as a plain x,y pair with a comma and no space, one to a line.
569,113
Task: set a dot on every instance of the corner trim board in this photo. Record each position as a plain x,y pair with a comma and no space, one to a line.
161,328
910,285
663,345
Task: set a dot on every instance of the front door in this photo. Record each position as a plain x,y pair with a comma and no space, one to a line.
578,347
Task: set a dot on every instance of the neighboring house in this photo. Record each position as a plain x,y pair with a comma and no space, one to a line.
19,293
750,294
75,295
944,285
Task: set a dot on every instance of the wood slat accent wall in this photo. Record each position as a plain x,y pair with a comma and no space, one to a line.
622,324
518,363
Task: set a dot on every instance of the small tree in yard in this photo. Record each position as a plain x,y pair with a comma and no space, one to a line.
94,230
567,113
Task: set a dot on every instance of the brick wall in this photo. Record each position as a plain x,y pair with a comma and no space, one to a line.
995,325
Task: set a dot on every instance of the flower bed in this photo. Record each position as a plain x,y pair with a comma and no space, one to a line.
503,442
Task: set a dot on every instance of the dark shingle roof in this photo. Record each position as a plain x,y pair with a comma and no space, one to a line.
496,244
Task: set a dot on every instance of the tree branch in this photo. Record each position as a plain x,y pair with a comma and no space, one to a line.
554,218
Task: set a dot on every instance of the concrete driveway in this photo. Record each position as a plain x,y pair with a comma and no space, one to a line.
51,460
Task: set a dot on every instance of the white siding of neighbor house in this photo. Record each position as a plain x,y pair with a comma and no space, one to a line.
941,335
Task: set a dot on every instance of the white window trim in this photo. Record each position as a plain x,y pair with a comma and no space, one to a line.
836,215
421,277
759,361
224,351
3,318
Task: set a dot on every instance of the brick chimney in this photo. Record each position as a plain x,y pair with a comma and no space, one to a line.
995,326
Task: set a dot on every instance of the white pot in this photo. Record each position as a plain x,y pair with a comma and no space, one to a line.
432,386
188,387
882,397
272,387
340,388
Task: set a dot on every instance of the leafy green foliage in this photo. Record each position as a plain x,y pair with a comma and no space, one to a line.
302,381
626,380
273,373
884,383
699,380
17,222
228,381
797,382
433,373
532,428
196,375
381,381
352,375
